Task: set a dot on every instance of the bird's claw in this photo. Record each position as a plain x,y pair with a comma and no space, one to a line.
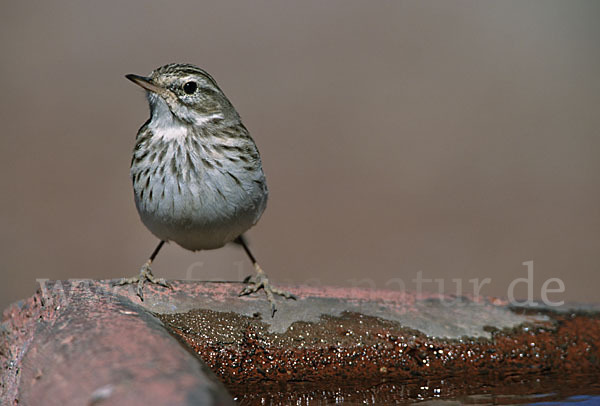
261,281
140,280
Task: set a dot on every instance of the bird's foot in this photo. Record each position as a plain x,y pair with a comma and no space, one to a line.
145,275
261,281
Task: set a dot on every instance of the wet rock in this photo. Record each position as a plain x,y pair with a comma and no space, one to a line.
88,341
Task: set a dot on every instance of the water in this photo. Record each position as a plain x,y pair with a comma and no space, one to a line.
581,400
578,400
542,390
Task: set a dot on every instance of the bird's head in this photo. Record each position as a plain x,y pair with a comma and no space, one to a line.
186,92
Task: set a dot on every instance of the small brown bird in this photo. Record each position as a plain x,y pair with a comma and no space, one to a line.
197,174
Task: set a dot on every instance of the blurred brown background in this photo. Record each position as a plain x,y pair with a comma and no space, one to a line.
456,138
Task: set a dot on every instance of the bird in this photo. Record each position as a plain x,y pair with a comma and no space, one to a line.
196,172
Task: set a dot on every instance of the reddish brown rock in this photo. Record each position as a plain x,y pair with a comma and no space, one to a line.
95,343
88,347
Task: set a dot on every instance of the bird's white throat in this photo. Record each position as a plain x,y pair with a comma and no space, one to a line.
164,124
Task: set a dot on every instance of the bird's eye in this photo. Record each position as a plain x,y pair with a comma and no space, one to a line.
190,87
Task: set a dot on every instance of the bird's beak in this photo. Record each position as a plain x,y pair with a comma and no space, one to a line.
145,82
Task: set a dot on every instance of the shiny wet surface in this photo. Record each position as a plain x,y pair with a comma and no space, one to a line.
359,359
548,390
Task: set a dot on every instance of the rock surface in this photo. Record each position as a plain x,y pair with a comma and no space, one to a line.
87,347
86,342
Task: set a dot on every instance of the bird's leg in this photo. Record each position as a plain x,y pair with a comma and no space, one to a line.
145,275
260,280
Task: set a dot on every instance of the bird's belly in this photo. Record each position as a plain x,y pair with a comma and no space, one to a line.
200,212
